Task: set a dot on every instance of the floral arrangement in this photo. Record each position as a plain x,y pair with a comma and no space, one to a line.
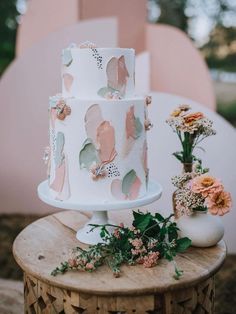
200,191
191,128
150,238
197,190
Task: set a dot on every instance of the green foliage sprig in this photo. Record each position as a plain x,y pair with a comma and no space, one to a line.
150,238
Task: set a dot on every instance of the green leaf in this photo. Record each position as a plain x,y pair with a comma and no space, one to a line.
179,156
128,181
172,233
168,256
88,155
159,217
182,244
163,233
152,229
141,220
102,233
138,128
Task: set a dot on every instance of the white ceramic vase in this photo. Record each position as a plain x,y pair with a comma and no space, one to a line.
202,228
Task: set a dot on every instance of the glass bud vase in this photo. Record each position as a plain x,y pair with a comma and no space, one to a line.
203,229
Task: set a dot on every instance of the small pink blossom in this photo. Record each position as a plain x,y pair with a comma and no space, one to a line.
138,251
72,262
137,243
89,266
151,259
116,233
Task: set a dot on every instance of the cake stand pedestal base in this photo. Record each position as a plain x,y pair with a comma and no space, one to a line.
99,209
85,235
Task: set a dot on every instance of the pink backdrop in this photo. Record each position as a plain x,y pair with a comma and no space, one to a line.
38,21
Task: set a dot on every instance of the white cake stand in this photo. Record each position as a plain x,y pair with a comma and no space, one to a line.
100,210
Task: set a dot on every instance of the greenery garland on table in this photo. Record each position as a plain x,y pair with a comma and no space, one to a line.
150,238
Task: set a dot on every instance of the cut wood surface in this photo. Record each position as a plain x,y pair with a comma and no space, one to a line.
41,246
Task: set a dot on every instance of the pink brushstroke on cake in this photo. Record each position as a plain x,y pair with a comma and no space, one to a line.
68,81
130,131
117,74
106,142
144,157
116,189
134,190
53,116
65,192
60,183
57,184
93,118
130,123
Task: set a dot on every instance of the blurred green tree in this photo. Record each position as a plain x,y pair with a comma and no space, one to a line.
8,25
220,49
173,13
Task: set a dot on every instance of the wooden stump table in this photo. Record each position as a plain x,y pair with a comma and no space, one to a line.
41,246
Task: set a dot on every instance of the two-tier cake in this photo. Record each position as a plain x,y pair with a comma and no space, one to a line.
98,147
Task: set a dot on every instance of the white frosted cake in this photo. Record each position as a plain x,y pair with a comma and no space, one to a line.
98,147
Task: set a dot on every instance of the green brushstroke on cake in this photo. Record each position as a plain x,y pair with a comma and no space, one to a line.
88,155
128,181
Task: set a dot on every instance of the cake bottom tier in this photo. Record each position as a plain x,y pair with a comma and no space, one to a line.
98,149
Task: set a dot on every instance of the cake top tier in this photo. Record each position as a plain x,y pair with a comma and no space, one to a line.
90,72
